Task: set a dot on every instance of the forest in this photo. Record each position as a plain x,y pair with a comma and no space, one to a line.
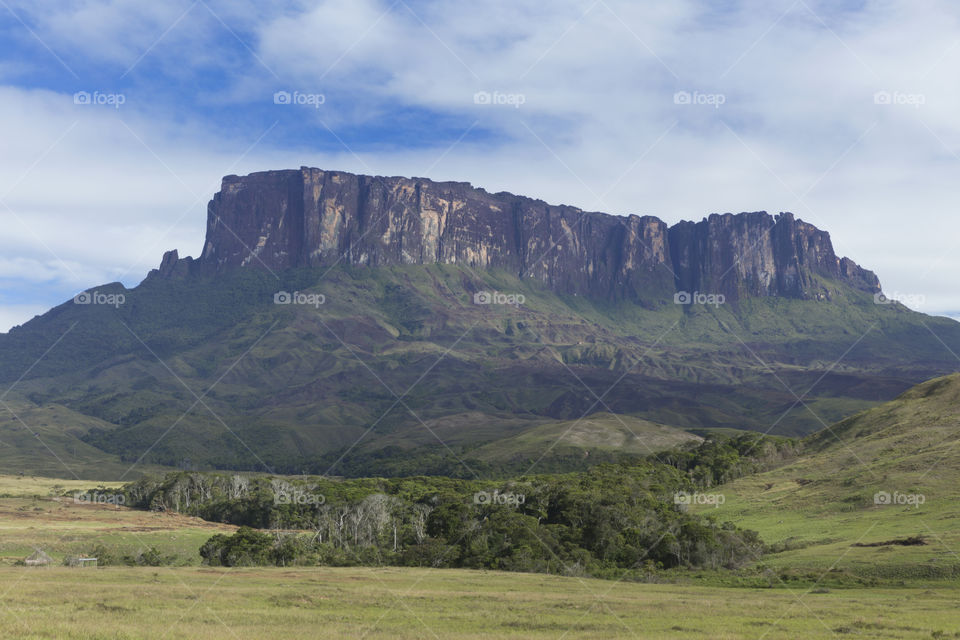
607,520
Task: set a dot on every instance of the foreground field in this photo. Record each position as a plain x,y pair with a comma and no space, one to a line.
119,603
199,603
60,527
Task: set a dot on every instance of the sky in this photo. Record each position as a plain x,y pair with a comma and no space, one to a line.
119,118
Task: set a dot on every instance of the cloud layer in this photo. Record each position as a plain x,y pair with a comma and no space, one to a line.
841,113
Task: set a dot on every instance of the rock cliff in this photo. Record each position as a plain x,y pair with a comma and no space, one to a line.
310,217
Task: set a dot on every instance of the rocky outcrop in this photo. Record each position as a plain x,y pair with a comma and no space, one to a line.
760,255
309,217
173,267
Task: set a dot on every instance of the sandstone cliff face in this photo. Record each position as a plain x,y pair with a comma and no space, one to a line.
760,255
310,217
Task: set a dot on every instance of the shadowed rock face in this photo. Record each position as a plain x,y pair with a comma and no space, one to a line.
309,217
759,255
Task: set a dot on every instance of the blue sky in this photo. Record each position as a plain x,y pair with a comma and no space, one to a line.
843,113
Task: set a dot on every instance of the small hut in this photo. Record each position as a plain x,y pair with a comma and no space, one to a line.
38,559
74,561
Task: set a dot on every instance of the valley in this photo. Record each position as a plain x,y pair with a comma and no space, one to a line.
359,442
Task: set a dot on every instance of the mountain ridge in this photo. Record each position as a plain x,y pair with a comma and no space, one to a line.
310,217
600,328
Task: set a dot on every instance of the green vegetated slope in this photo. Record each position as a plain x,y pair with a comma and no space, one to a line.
210,373
48,441
885,475
598,432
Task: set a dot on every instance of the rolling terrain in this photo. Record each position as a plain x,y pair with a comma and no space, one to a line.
334,322
311,602
171,379
883,476
842,558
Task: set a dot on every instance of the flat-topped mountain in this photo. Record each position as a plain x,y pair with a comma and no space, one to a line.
309,217
353,324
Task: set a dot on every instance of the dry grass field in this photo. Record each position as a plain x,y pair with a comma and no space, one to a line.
195,603
188,601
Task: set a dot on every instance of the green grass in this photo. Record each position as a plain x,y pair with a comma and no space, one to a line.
198,603
821,504
61,527
598,432
814,509
38,486
43,440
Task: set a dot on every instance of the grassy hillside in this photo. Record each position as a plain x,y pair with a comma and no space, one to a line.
210,373
886,474
598,432
48,441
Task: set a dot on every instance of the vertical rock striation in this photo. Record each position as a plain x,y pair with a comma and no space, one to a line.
311,217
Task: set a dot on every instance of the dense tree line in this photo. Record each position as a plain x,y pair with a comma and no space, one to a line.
721,459
609,519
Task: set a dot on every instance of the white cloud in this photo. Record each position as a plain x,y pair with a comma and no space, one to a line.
798,129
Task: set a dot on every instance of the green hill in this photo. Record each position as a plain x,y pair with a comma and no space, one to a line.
598,432
881,477
48,441
208,372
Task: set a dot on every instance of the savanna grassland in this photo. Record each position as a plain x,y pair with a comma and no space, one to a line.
886,474
41,513
182,599
837,561
205,603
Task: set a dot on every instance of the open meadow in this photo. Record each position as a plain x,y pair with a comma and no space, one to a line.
184,600
31,519
205,603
